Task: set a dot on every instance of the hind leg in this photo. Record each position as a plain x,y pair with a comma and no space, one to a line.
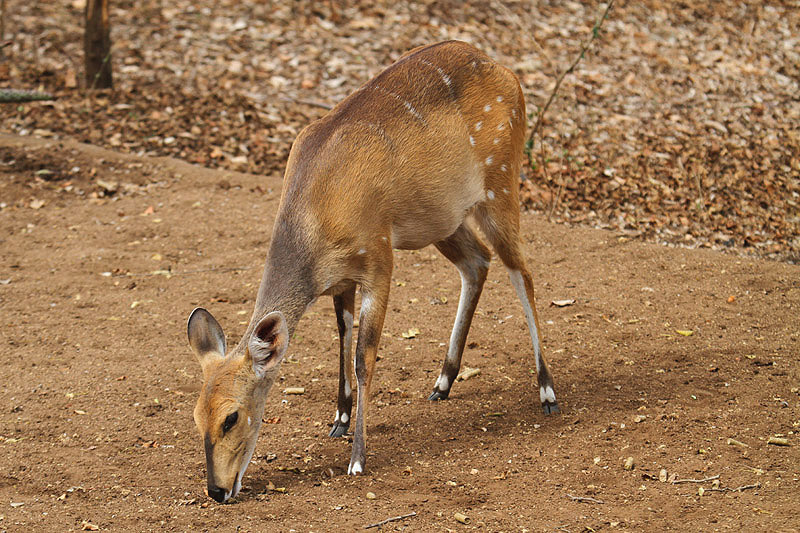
344,303
471,257
500,223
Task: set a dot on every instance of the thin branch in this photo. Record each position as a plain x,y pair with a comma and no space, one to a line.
182,272
712,478
583,499
12,96
100,71
313,103
392,519
737,489
584,47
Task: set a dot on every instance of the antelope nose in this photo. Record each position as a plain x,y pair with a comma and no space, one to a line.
217,493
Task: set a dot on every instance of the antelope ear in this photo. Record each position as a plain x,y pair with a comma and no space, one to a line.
268,343
205,336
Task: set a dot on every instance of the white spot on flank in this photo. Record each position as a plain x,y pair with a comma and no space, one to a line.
506,191
445,78
496,140
546,394
478,125
385,239
503,168
489,160
487,108
499,98
472,140
362,251
501,126
344,418
490,194
413,111
514,113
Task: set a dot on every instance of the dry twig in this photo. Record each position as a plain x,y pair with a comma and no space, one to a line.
313,103
583,499
584,47
737,489
712,478
392,519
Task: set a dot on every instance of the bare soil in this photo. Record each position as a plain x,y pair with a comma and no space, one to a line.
100,266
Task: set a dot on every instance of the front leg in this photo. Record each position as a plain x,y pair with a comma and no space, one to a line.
343,303
374,298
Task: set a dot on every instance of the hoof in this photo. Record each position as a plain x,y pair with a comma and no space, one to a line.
356,468
339,429
550,408
438,395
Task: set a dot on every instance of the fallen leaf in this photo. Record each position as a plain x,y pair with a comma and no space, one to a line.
410,334
88,526
684,332
294,390
36,203
562,303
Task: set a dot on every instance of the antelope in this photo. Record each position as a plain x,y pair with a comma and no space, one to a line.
418,155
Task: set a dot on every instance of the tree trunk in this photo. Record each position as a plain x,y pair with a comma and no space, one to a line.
97,45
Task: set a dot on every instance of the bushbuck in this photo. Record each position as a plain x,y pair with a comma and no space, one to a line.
419,155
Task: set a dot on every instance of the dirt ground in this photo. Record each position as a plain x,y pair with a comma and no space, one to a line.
100,267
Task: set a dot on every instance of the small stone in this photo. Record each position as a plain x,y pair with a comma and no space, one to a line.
371,496
778,441
628,464
662,475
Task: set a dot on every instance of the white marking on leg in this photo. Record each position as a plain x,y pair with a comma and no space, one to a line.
355,468
249,421
344,418
442,382
522,294
337,417
487,108
478,125
546,394
490,194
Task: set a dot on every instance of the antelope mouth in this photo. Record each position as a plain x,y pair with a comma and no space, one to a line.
237,486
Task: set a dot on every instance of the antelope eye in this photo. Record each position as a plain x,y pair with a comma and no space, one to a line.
230,421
